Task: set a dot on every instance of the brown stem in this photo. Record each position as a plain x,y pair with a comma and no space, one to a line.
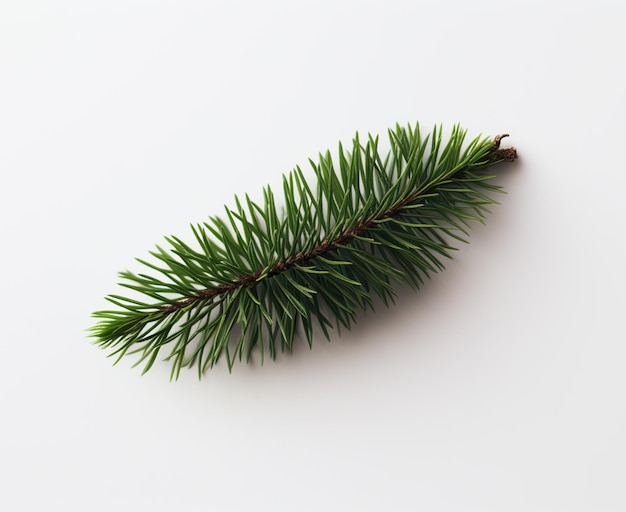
495,155
297,259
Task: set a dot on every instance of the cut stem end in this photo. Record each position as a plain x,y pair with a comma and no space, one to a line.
498,154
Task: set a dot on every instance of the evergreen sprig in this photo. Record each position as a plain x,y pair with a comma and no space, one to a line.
260,274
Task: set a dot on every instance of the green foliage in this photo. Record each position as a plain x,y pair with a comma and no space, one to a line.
256,277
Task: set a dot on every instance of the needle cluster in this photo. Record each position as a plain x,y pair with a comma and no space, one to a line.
259,276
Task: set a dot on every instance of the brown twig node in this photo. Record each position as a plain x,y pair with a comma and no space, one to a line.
497,154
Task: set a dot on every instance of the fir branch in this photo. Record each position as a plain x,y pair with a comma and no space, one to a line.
259,276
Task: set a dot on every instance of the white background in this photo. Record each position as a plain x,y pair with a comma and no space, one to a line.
499,387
